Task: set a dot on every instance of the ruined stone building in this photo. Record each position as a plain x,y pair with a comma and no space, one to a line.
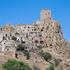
40,33
44,33
31,34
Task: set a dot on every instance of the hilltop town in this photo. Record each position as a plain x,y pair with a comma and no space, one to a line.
27,43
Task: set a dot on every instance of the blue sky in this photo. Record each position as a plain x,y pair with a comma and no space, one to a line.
28,11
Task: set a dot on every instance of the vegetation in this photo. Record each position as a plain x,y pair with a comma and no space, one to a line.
15,65
51,67
22,49
40,47
47,56
26,53
56,62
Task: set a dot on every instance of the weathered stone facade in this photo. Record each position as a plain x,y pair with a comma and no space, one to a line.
44,34
33,34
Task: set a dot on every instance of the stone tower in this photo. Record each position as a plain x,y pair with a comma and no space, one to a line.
45,15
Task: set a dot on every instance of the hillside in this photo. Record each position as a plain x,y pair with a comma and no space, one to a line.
40,45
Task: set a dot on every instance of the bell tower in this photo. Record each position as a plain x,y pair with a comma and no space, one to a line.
45,15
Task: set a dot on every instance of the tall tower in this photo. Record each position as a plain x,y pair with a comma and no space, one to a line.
45,15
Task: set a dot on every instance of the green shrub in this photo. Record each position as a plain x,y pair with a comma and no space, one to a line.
51,67
26,53
56,62
21,48
47,56
15,65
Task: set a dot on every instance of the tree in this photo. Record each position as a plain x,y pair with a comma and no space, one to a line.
15,65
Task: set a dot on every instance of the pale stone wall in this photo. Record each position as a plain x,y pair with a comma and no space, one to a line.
40,31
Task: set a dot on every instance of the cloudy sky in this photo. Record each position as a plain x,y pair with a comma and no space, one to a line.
28,11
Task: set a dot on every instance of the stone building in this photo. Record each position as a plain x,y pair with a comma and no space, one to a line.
34,35
44,34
